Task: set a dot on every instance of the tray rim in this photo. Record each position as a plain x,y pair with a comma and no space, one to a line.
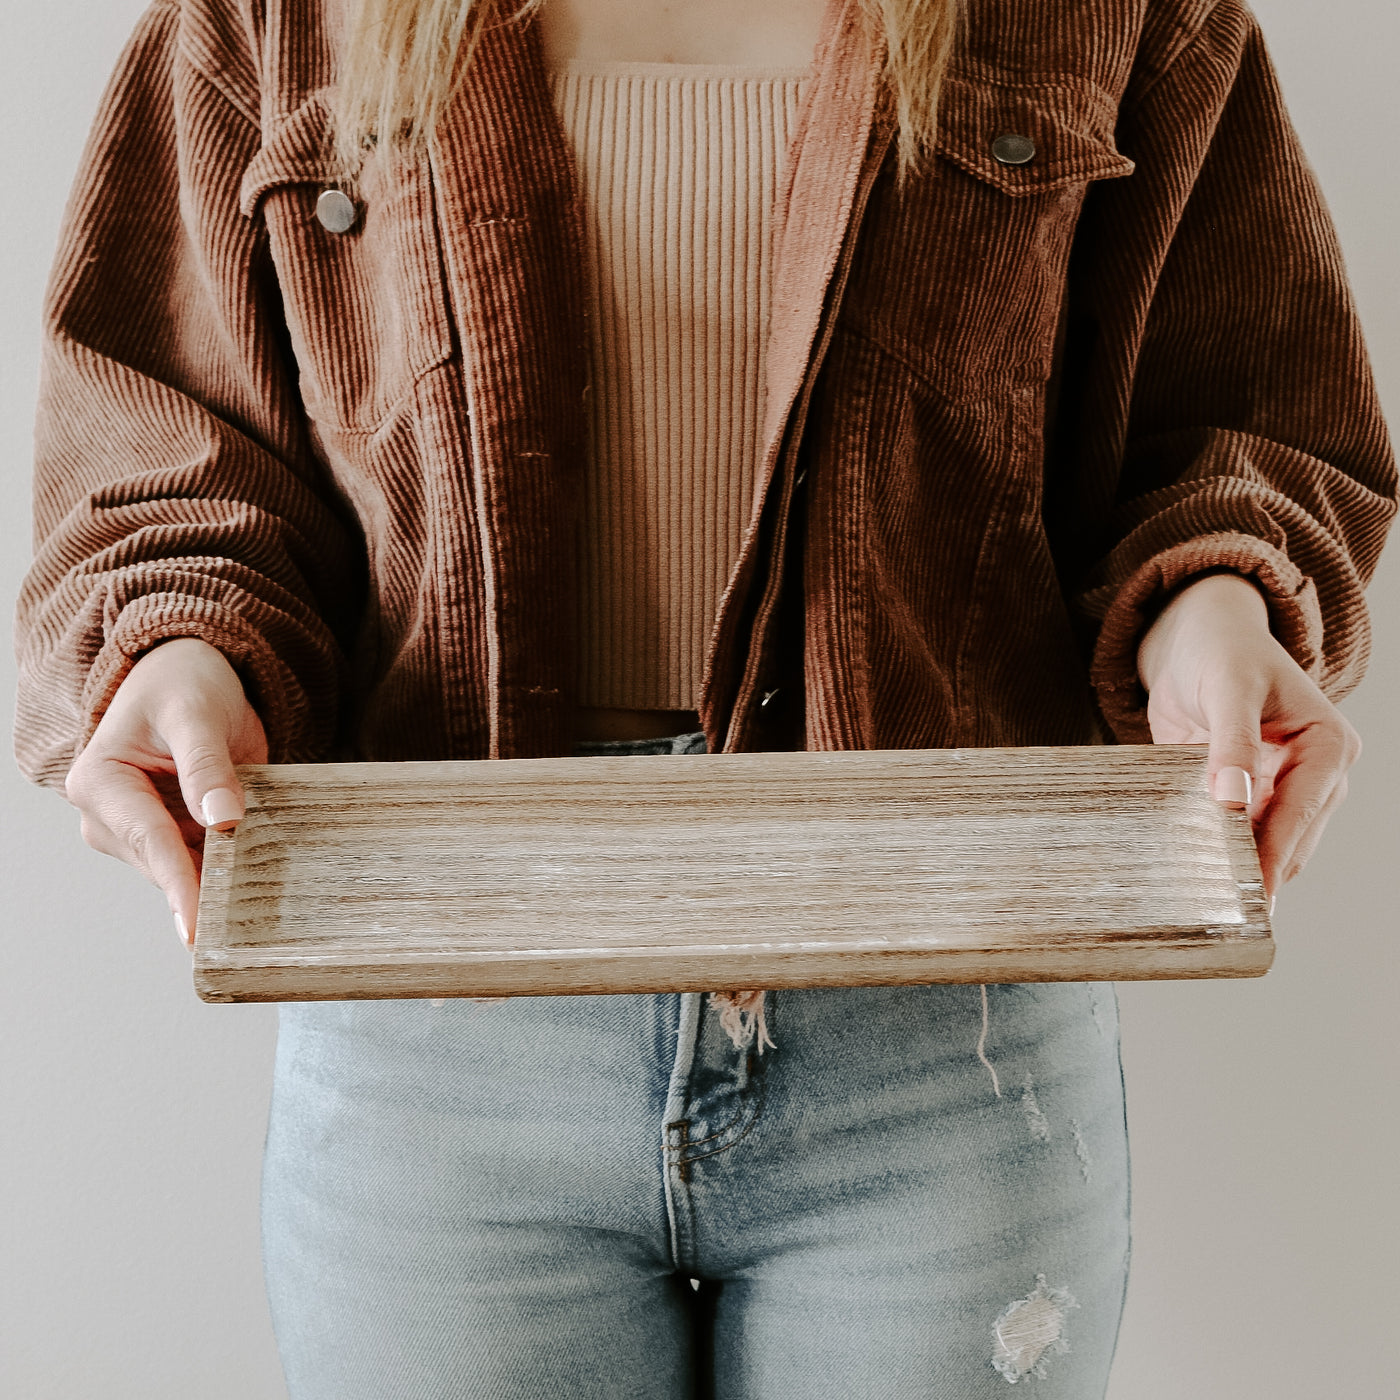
1232,950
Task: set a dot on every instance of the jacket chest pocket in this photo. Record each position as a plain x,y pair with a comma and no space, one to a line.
962,274
366,305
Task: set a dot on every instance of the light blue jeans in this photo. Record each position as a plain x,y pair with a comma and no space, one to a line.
918,1192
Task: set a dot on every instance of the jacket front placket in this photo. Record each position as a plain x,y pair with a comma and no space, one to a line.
511,231
843,133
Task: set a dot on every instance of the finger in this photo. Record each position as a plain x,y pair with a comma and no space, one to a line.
1305,794
100,839
1302,853
124,816
1285,849
1272,759
96,834
1232,707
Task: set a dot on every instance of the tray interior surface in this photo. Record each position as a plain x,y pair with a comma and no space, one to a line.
749,857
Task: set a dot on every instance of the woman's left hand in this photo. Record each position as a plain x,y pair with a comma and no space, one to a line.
1215,674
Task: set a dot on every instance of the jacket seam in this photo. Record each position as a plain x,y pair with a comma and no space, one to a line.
1006,381
995,530
1184,41
231,101
1051,174
213,81
392,408
1059,82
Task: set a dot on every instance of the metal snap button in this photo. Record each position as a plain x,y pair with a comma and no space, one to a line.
1011,149
336,211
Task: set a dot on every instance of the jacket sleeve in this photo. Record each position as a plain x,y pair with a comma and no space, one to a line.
1218,412
175,491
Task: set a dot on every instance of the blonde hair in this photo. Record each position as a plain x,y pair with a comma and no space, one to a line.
402,59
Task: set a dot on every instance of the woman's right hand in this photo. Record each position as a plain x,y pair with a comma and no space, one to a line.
158,769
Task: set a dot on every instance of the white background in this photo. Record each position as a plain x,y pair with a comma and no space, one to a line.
1263,1114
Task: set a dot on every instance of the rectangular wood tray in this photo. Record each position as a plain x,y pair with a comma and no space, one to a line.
731,871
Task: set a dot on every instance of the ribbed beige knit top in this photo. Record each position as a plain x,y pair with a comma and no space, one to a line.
679,166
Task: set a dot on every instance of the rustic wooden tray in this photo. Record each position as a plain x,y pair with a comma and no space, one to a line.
730,871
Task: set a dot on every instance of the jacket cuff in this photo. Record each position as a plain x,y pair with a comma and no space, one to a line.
273,689
1129,610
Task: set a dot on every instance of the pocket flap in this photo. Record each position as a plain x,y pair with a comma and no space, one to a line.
1069,123
366,307
300,153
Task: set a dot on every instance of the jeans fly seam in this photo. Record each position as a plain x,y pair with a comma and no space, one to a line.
709,1137
760,1099
687,1031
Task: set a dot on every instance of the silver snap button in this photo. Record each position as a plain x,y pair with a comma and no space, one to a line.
1013,150
336,211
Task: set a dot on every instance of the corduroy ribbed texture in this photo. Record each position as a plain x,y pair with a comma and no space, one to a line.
678,169
1006,409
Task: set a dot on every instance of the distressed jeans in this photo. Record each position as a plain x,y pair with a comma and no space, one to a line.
916,1192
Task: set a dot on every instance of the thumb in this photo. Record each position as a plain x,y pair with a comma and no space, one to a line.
210,787
199,748
1232,714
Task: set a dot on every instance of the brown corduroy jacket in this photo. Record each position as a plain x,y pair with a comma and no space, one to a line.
1009,406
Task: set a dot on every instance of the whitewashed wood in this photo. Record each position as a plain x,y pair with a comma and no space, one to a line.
665,873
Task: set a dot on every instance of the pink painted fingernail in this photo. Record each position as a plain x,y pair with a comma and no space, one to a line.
182,929
1234,787
220,806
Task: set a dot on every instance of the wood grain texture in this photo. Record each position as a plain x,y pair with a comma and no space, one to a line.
658,873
